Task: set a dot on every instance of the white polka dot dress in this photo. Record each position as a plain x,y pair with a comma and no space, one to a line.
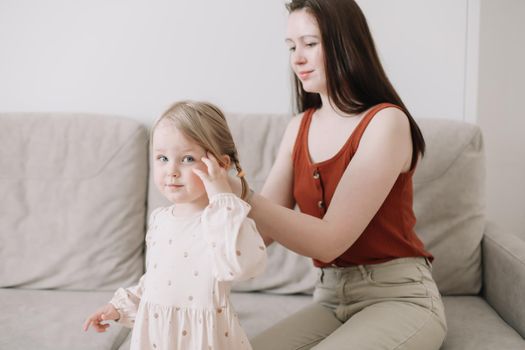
182,301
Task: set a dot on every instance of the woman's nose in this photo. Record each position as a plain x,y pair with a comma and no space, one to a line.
298,57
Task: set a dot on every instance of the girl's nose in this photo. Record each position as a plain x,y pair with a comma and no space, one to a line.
172,177
173,171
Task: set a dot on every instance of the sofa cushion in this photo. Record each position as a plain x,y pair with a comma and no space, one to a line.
74,189
259,311
52,320
474,325
449,203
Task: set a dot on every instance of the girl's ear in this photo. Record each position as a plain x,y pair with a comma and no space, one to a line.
225,161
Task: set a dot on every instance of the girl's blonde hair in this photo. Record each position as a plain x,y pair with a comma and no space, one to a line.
205,124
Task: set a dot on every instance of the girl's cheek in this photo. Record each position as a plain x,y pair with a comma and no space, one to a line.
202,166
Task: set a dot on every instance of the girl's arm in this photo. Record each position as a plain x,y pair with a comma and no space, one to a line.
237,249
126,301
384,152
122,308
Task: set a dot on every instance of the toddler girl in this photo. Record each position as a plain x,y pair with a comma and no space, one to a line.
196,247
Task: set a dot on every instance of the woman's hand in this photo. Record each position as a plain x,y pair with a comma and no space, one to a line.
106,313
216,179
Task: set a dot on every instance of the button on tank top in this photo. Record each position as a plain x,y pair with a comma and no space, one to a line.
390,234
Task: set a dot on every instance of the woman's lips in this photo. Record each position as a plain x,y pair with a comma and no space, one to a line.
305,74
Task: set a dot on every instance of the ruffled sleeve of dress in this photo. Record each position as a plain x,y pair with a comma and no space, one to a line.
237,248
127,300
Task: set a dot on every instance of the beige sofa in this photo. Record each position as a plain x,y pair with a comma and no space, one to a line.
75,197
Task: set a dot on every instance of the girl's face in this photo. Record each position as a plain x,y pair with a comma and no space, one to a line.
174,157
306,51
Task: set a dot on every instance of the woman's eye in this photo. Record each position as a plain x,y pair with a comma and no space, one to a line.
162,158
310,44
188,159
291,49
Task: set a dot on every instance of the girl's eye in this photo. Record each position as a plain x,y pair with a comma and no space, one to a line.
291,49
188,159
162,158
310,44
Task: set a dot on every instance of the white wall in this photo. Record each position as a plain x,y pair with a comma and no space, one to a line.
501,111
134,58
423,48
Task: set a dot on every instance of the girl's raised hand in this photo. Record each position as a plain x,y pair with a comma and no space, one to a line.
216,179
106,313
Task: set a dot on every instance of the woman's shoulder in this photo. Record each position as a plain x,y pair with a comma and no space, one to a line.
292,129
295,123
389,130
297,119
389,117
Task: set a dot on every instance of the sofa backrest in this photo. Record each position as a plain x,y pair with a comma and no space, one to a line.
73,190
449,203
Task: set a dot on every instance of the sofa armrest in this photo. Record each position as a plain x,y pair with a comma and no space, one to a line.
504,275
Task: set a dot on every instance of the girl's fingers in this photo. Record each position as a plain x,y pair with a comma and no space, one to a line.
213,169
214,161
211,157
94,322
106,316
102,327
91,321
86,325
208,162
201,174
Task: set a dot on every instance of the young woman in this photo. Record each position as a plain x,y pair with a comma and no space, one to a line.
347,161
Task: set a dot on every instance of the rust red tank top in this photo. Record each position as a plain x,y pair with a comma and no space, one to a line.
390,234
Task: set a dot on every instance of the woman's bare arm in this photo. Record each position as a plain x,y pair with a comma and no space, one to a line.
278,186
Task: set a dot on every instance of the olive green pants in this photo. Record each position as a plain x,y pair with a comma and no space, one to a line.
393,305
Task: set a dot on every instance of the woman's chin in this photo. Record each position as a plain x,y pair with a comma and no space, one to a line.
310,88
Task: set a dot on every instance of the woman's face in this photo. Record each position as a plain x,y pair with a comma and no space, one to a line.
306,51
